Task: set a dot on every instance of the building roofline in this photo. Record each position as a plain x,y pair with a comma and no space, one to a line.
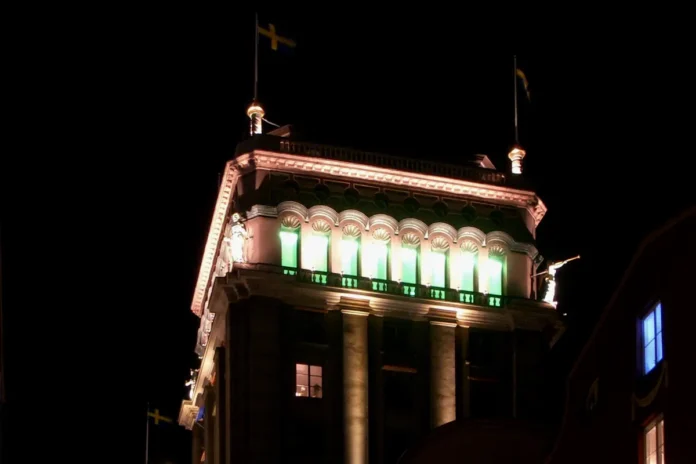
264,159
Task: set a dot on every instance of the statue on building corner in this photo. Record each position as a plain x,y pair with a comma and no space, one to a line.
550,280
191,383
237,240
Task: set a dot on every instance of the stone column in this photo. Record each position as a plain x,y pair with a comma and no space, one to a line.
197,446
465,395
221,406
209,424
443,382
355,379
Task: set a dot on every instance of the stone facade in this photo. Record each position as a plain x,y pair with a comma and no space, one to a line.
315,357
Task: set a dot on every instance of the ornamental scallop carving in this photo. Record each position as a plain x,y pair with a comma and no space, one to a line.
290,222
469,247
351,230
496,251
410,239
381,235
321,226
439,244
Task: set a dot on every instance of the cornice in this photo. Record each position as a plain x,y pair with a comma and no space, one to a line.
262,159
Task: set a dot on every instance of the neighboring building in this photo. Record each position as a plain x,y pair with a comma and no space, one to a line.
630,394
350,302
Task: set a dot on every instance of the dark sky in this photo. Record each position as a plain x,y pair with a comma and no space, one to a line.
142,115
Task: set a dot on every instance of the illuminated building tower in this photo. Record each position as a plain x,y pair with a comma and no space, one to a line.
346,295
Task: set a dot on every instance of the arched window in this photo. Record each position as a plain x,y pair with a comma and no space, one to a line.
438,262
289,244
350,249
409,258
318,246
494,269
376,256
467,267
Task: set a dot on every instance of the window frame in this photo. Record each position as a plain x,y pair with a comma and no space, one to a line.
298,245
642,347
309,380
658,423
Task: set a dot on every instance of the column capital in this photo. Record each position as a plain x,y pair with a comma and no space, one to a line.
353,312
442,317
354,306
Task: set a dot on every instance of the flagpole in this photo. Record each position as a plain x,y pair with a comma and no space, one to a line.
147,434
514,81
256,57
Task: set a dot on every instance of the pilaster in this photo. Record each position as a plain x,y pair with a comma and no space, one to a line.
355,381
443,382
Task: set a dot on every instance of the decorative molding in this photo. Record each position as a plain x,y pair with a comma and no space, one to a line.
381,235
383,220
351,230
321,226
188,414
444,229
229,183
354,215
415,224
497,250
291,163
294,163
262,210
324,211
526,248
472,233
439,244
497,236
290,221
469,246
293,207
410,239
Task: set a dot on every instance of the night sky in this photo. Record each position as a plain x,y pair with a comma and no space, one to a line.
150,113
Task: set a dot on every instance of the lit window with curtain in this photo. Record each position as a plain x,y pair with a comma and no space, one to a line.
289,241
376,256
467,271
438,266
349,256
350,250
317,247
409,265
495,274
318,252
652,338
655,443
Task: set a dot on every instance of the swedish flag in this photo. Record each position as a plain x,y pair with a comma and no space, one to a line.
525,83
276,40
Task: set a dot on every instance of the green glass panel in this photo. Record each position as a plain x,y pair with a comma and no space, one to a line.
288,243
349,257
467,271
495,276
409,263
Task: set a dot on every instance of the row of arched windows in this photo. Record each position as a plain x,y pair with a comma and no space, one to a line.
381,255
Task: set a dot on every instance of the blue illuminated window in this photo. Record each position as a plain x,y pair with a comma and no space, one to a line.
652,338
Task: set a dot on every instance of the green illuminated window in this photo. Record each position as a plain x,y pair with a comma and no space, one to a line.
495,276
349,256
468,262
288,243
409,265
318,252
375,258
438,266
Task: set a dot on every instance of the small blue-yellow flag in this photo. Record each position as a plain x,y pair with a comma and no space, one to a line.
525,83
275,38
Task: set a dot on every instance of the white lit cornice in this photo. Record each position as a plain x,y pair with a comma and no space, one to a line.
261,159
